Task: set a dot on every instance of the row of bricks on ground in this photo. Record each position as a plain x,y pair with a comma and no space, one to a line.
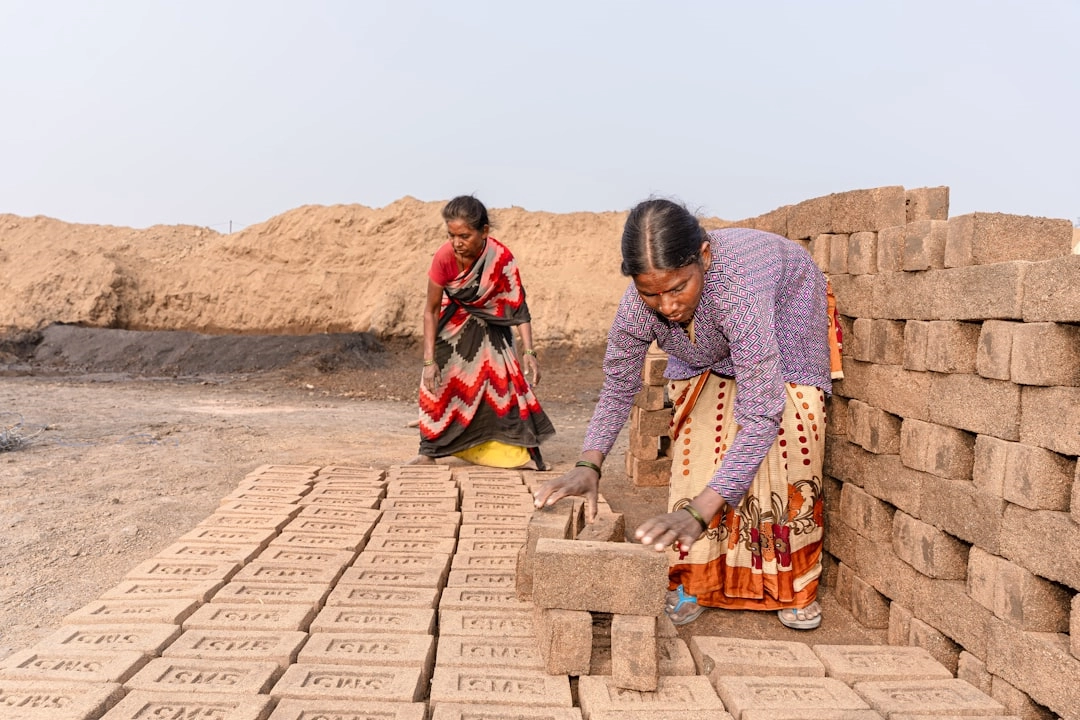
737,678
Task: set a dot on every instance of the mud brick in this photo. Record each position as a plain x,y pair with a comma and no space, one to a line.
683,694
873,429
156,569
421,517
287,469
978,292
314,556
1074,626
952,347
489,652
841,586
634,654
974,403
673,656
1074,504
407,650
488,561
810,218
251,507
78,639
867,210
250,616
932,697
885,344
565,639
494,686
869,607
838,255
359,709
900,619
893,389
993,358
857,342
224,535
360,486
862,253
900,295
373,619
408,531
297,572
271,593
457,711
820,251
645,447
1026,531
483,546
1037,479
972,670
331,470
928,203
650,422
402,560
864,513
984,238
959,508
861,663
64,665
483,505
329,512
469,598
279,647
1045,354
427,491
1017,596
365,502
425,577
854,295
650,397
717,656
930,551
771,714
937,449
346,595
33,700
808,694
484,517
916,339
288,489
209,551
240,521
327,526
988,471
357,684
607,527
502,495
653,371
940,646
124,612
500,579
890,249
201,590
879,566
141,704
259,497
399,503
1049,419
924,245
339,542
946,606
649,473
194,675
360,496
411,544
484,487
486,622
1050,291
622,578
1019,703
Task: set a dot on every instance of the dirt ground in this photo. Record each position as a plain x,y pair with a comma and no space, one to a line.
133,438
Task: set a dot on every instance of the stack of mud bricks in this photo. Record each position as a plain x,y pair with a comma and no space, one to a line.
951,489
648,460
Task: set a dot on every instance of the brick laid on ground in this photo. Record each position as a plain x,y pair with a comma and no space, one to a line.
480,579
336,619
487,622
455,711
114,612
780,693
377,649
690,694
69,665
509,686
360,595
201,590
390,577
209,551
321,541
289,709
156,569
494,532
621,578
409,530
249,616
29,700
295,572
243,536
855,663
148,639
933,697
271,593
319,683
386,542
822,715
192,675
489,652
277,646
475,598
719,656
141,704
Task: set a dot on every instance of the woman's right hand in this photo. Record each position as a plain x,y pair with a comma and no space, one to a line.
579,482
432,378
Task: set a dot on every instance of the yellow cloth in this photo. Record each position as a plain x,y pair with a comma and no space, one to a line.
495,454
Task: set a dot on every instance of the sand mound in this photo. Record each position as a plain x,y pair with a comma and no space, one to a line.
315,269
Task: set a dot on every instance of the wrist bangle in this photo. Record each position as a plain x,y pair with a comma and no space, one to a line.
591,466
697,516
530,351
429,363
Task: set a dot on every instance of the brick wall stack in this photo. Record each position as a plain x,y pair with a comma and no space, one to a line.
648,459
952,501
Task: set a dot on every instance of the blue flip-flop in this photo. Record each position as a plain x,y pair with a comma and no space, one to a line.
683,600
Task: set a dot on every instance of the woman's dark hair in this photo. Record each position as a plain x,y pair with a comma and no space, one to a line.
660,235
467,209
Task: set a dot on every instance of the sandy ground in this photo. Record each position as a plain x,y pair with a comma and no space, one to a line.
120,465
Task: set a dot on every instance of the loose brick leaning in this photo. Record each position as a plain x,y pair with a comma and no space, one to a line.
604,577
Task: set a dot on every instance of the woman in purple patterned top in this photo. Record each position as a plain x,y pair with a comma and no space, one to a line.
742,315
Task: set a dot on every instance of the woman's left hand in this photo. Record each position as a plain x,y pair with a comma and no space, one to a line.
673,527
531,368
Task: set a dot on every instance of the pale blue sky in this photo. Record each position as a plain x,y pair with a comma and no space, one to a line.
136,112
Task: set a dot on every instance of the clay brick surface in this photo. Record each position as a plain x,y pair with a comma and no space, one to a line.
360,595
924,245
653,370
481,579
978,292
483,546
77,639
408,530
1074,626
1050,419
241,521
890,248
250,616
1045,354
486,622
607,577
31,700
927,549
201,590
321,541
456,711
952,347
199,676
716,657
1016,595
259,497
878,565
390,577
155,569
873,429
296,572
407,650
202,533
976,404
864,513
838,255
499,687
140,704
740,694
607,527
123,612
494,532
988,470
565,639
330,512
869,607
209,551
329,526
634,654
862,253
490,652
1050,291
484,517
1038,479
374,619
319,709
686,694
928,203
886,342
391,543
475,598
485,561
855,663
420,504
63,665
650,422
993,356
854,295
356,684
900,295
946,606
649,473
867,210
317,556
1027,533
916,339
821,715
279,647
888,387
268,593
251,507
984,238
937,449
933,697
943,649
650,397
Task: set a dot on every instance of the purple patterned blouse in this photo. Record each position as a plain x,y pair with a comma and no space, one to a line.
762,320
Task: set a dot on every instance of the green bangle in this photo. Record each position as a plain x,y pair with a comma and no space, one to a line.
591,466
529,352
697,516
